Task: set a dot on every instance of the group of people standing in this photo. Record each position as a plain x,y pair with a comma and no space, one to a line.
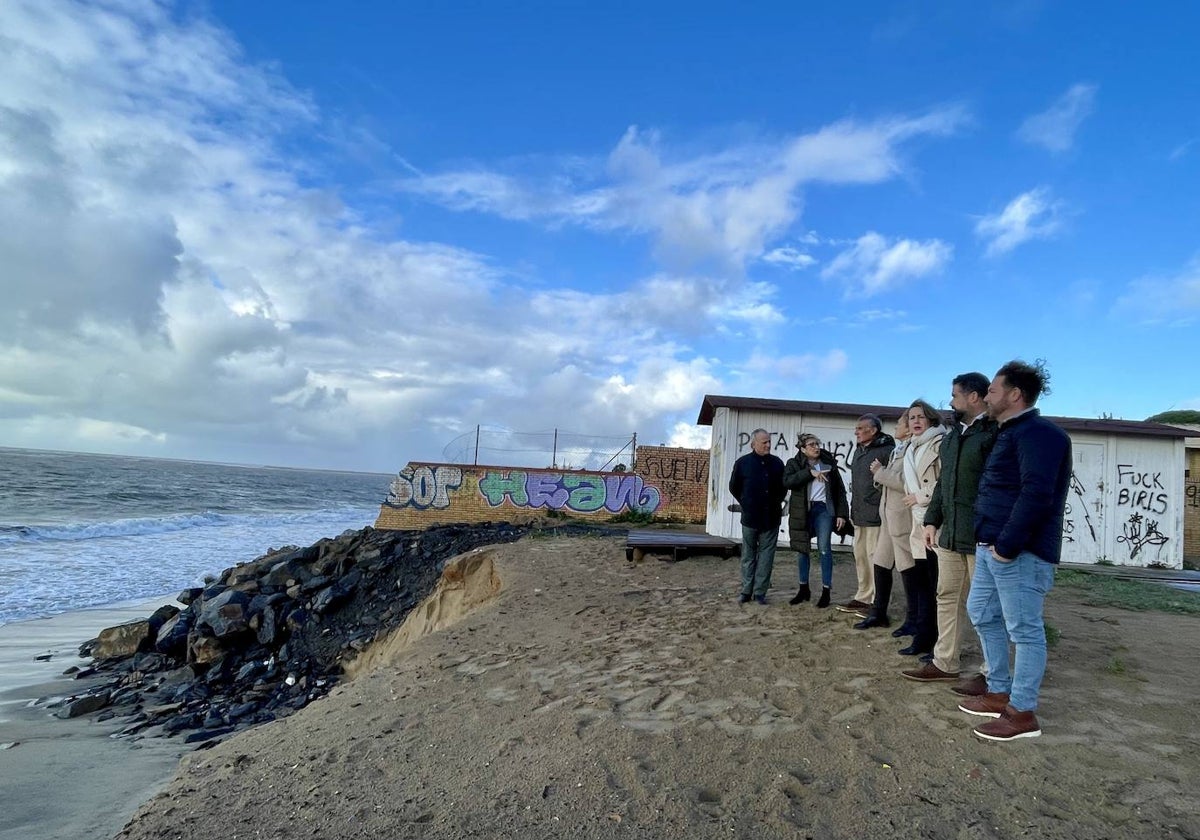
971,514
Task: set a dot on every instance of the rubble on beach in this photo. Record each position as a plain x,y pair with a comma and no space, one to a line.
270,636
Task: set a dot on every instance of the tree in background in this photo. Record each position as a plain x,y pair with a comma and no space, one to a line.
1179,416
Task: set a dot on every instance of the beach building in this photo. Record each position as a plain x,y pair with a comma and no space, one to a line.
1128,488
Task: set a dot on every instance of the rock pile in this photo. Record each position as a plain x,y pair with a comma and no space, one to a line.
271,635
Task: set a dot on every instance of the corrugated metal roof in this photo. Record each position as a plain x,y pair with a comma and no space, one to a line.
712,402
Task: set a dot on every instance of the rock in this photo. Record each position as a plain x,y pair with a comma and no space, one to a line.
227,613
188,595
203,651
84,705
173,635
207,734
122,640
330,598
151,662
268,629
296,619
161,616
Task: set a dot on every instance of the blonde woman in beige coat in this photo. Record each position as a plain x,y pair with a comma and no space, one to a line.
893,550
922,467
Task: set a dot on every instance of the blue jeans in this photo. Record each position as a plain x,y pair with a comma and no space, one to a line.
1005,604
758,559
820,523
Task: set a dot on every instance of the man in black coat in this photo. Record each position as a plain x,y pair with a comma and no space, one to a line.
1018,532
873,444
757,484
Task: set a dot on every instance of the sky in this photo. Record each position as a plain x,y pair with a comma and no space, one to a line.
345,235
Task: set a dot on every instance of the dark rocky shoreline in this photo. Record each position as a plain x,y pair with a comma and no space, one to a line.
270,636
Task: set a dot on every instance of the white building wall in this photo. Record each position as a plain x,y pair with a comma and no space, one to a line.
1125,505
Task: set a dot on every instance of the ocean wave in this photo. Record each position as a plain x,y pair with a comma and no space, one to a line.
78,531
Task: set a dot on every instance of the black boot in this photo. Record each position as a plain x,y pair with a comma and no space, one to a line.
878,616
909,578
803,594
926,630
824,600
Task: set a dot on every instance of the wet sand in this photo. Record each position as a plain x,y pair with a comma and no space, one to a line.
67,778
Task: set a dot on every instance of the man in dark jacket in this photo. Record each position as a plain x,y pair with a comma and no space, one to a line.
964,450
1018,532
872,444
757,484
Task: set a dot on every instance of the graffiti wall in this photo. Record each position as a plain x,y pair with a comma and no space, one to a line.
681,474
424,494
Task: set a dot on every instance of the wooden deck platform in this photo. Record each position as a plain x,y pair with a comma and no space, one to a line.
677,544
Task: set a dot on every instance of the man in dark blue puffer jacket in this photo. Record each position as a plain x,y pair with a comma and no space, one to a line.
1018,528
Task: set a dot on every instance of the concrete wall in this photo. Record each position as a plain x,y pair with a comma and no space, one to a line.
424,494
1126,503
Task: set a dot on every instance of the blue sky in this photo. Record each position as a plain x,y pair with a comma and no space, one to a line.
341,235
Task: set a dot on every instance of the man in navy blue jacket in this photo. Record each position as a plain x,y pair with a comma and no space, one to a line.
757,484
1018,529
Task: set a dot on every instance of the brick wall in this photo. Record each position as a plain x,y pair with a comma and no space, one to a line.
681,475
424,494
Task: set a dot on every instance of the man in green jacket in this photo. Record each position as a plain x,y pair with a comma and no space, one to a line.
950,527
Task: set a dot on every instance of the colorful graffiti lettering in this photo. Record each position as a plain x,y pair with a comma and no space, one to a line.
578,493
424,487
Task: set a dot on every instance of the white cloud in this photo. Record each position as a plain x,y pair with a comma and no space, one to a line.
1055,128
722,208
690,436
806,367
1031,215
789,258
1172,300
875,263
1180,151
174,285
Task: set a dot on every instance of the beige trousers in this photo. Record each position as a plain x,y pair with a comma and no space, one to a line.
866,540
893,553
955,570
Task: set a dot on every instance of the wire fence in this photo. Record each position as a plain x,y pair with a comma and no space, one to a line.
552,448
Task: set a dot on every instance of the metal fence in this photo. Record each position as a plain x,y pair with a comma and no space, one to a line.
552,448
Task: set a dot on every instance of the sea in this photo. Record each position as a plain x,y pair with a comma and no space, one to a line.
79,531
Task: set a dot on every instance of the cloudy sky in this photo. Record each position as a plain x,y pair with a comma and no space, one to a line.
342,235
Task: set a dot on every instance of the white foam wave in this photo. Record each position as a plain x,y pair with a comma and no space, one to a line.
147,526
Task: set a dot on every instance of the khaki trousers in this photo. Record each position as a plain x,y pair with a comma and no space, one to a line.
892,552
866,540
955,570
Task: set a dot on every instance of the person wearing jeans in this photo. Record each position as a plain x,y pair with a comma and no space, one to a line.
818,499
1006,603
1019,514
757,484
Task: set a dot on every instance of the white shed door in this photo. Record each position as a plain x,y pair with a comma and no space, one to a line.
1083,527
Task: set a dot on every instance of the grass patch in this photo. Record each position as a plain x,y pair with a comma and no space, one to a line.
1106,591
1116,666
1053,634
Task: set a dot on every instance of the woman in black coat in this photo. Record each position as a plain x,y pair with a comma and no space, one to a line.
818,503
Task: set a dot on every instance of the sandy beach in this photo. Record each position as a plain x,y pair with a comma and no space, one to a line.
598,698
67,779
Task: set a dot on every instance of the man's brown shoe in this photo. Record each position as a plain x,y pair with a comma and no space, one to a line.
1010,725
852,606
985,705
974,686
928,673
